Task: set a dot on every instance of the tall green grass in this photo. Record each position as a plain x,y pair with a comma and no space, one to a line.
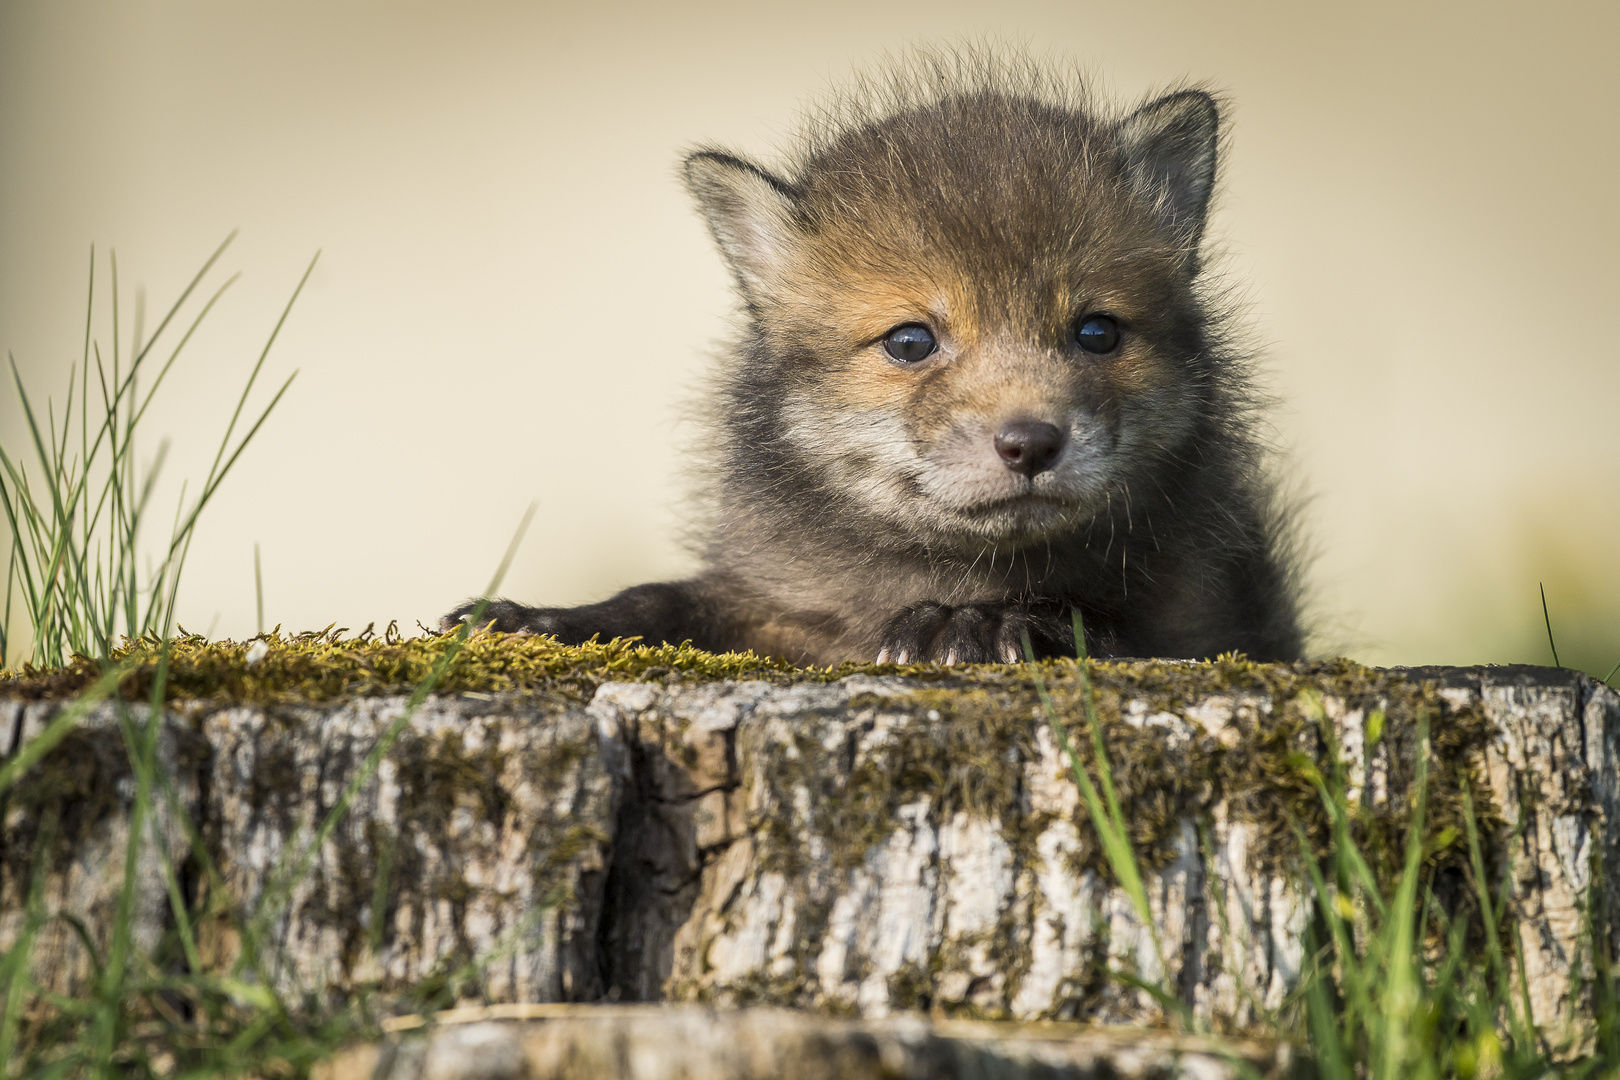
1390,985
76,500
1393,986
170,1011
75,504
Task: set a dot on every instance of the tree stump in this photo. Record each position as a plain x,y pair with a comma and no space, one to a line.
859,847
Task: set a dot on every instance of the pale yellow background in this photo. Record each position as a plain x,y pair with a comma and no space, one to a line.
1421,204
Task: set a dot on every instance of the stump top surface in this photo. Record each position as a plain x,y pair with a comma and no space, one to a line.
326,666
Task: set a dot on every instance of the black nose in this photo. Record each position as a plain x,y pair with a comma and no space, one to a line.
1029,446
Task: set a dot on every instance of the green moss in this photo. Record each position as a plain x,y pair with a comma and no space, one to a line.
325,666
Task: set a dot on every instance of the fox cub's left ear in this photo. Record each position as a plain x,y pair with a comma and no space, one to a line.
1167,151
752,215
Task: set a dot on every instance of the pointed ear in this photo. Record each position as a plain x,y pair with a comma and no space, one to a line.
1167,151
752,214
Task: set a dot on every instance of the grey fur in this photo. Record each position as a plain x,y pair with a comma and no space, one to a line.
859,508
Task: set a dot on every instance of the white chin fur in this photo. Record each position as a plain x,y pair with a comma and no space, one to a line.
960,486
963,474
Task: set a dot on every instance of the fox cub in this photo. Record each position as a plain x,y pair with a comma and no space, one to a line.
981,385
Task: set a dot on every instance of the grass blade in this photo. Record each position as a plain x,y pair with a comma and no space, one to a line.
1548,620
14,967
1106,818
64,722
258,591
1403,990
74,561
253,376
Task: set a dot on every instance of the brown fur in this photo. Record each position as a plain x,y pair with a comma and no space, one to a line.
859,506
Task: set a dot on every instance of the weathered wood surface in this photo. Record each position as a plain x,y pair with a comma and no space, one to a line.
811,892
863,847
674,1043
484,834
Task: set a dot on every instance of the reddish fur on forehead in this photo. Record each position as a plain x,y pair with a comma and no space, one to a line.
995,306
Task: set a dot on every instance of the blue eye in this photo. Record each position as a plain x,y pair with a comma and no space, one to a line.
1098,334
910,343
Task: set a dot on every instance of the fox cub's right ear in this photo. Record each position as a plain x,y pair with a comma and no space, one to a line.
752,215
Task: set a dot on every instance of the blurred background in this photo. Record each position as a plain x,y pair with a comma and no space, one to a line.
514,299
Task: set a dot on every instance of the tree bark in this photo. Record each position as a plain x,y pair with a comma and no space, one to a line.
861,847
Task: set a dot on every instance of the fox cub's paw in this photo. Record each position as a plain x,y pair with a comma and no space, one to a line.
503,617
976,633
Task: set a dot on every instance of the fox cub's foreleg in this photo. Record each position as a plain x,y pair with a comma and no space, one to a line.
672,611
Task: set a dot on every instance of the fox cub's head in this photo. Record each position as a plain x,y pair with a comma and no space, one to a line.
975,318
